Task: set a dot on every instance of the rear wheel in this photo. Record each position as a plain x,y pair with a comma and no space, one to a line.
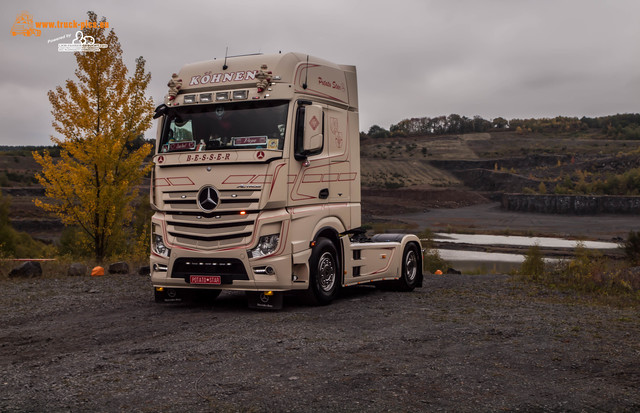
323,265
410,268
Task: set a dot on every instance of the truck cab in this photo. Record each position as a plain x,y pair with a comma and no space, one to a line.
256,184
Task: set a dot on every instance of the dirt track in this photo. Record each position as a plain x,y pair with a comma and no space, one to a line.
460,343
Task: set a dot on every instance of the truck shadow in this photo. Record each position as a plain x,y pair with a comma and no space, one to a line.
236,301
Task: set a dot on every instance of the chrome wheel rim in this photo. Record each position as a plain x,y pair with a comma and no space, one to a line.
326,272
411,266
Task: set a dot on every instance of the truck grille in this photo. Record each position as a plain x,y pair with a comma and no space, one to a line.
229,269
224,227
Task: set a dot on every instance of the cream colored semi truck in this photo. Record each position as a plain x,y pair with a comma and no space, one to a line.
256,185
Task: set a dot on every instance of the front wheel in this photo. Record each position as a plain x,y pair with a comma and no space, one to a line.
323,265
410,268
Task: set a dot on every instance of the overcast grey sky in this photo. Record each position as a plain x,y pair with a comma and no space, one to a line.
509,58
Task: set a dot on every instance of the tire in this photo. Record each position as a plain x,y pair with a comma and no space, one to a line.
324,272
410,268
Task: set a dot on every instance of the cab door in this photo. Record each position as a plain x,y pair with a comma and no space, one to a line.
309,169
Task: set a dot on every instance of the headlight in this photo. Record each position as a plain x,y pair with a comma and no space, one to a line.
158,246
267,244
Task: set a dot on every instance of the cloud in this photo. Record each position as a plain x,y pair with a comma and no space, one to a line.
414,58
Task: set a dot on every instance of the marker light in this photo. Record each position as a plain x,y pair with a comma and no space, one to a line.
206,97
222,96
189,98
243,212
240,94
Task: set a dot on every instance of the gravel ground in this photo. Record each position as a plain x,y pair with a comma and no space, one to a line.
460,343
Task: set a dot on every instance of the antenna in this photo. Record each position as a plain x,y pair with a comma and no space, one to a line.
306,75
226,52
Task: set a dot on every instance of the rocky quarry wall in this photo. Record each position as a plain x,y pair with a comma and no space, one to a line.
572,204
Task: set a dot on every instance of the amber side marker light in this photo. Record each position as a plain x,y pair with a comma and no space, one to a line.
243,212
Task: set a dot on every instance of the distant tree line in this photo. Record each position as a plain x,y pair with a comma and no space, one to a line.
54,150
28,150
624,126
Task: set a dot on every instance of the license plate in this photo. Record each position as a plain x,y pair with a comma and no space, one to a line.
205,279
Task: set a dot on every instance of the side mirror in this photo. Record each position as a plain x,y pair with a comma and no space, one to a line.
309,133
160,110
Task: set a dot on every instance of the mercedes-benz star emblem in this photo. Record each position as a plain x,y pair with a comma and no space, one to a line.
208,198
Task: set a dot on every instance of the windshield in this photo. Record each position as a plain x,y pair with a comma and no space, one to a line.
245,125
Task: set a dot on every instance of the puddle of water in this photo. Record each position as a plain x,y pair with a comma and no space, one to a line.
480,239
478,256
488,261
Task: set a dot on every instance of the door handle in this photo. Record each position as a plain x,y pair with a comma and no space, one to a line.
324,193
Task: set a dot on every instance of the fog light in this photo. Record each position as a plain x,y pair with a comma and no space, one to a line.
159,268
206,97
222,96
189,98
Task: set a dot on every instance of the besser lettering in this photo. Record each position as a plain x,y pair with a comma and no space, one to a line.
209,157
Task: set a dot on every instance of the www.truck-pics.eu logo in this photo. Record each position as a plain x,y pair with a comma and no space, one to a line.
24,25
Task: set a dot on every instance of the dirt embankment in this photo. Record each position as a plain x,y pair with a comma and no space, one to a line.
460,343
416,199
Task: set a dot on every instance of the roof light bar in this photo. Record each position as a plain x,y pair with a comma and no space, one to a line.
240,94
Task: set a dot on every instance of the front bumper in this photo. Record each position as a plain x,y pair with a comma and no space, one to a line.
236,270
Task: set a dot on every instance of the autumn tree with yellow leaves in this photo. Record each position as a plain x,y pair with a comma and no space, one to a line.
100,115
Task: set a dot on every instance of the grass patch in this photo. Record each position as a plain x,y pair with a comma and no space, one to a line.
432,261
587,272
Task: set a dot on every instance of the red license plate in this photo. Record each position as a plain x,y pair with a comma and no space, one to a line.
205,279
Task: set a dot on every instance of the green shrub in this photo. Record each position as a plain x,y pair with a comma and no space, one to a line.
533,265
631,248
16,244
588,271
432,261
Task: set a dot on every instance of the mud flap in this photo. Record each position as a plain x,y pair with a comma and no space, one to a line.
262,301
166,295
